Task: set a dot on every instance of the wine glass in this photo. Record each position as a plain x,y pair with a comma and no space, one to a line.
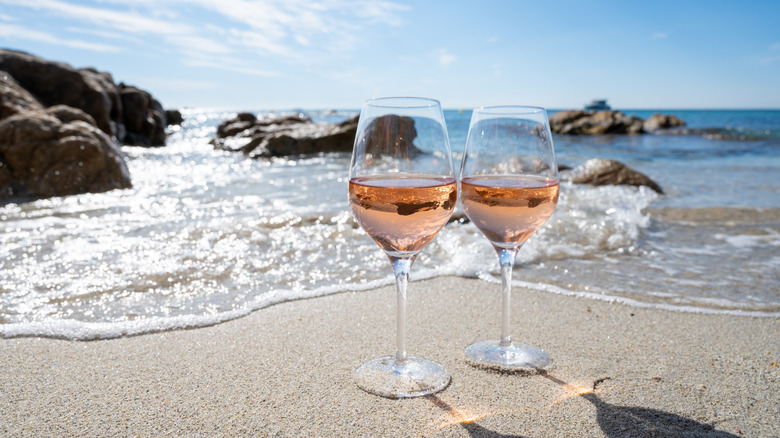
402,191
509,188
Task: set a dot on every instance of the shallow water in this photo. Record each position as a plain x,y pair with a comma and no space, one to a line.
206,236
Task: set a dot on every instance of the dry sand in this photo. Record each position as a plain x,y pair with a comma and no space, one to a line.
286,371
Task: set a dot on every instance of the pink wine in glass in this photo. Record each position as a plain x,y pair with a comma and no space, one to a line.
402,214
508,209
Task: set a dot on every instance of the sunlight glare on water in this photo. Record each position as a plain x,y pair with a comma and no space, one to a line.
206,235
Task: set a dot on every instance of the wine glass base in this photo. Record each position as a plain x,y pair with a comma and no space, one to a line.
413,377
513,357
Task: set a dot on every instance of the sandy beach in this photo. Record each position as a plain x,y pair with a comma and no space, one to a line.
285,371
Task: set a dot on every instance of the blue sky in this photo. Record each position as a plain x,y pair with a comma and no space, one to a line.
284,54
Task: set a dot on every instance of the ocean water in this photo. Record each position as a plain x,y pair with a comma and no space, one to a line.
205,236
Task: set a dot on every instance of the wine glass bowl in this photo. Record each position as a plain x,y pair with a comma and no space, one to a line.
402,191
509,188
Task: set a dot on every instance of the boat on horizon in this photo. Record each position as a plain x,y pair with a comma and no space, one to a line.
597,105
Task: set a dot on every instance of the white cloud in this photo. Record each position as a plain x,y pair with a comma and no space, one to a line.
19,32
229,64
775,46
106,34
660,35
445,59
381,11
118,20
258,42
302,40
242,32
198,43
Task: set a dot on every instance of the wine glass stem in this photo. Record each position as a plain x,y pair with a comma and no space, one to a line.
401,268
506,258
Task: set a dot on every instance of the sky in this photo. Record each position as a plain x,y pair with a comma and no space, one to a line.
297,54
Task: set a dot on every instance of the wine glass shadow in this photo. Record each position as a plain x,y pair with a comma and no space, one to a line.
473,429
614,420
628,421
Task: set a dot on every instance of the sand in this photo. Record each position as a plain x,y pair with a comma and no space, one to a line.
286,371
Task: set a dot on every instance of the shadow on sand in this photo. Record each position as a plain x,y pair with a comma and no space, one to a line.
614,421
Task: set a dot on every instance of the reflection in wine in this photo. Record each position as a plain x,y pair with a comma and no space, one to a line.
402,214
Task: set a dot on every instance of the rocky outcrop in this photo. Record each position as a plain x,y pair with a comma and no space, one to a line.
130,115
601,172
297,135
577,122
385,134
14,98
283,136
55,152
144,117
657,122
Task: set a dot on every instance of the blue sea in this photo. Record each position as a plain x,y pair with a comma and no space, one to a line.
205,236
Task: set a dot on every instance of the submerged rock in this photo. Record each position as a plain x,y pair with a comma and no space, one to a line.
601,172
577,122
55,152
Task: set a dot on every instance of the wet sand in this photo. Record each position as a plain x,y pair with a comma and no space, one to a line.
285,371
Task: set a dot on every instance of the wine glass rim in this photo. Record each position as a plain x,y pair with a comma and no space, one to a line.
422,102
510,109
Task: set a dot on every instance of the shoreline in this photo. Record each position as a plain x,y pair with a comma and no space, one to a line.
749,221
286,370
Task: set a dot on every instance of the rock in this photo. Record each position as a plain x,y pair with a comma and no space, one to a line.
173,117
94,92
144,117
14,98
661,121
385,133
66,114
576,122
56,152
562,118
601,172
283,136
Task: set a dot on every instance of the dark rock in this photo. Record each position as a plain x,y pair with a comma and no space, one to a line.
101,100
594,123
173,117
233,126
562,167
601,172
66,114
55,152
283,136
562,118
576,122
92,91
144,117
283,120
14,98
661,121
391,135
